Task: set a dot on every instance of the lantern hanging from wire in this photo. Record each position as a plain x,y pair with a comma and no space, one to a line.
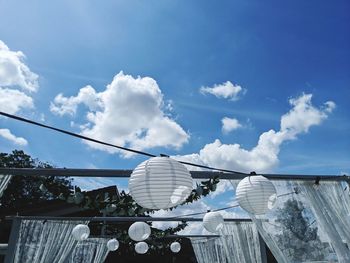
256,194
141,248
160,183
139,231
112,244
213,222
175,247
81,232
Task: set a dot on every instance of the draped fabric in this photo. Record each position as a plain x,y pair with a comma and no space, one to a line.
291,230
238,243
4,180
209,250
42,241
330,203
242,242
92,250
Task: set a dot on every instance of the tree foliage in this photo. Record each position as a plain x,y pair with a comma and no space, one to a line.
25,190
299,236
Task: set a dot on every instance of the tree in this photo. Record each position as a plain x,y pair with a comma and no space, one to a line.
23,191
298,237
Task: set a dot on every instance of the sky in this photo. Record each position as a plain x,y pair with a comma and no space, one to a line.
241,85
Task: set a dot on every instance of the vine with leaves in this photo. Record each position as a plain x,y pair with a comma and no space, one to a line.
124,205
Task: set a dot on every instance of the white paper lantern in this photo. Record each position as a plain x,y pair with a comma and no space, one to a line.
256,194
175,247
213,222
81,232
112,245
160,183
139,231
141,247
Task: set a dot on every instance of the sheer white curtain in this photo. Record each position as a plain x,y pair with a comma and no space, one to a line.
209,250
4,180
330,203
45,241
92,250
238,243
291,230
242,242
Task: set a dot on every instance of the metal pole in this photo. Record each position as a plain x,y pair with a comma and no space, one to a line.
10,255
124,219
126,173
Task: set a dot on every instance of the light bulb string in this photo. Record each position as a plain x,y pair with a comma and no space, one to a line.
11,116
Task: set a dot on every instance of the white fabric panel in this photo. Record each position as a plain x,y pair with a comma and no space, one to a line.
330,202
239,243
4,180
92,250
291,230
45,241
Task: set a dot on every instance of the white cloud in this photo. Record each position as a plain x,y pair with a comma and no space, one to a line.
225,90
230,124
17,82
264,156
12,100
129,112
13,72
6,134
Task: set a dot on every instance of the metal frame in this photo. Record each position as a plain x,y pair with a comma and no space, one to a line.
122,219
124,173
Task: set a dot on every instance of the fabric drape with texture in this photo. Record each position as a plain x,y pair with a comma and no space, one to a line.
4,180
92,250
291,229
42,241
238,243
330,203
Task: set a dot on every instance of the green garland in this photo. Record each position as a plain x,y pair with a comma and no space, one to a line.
124,205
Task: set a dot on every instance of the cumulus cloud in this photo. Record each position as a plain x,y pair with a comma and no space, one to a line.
12,100
226,90
13,71
129,112
6,134
264,156
230,124
17,83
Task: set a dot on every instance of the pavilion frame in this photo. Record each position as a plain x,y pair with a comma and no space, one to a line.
120,173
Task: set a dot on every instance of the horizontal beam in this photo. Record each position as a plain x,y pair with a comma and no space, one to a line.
126,173
123,219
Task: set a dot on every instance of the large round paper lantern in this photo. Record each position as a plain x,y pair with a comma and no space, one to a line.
160,183
175,247
256,194
139,231
213,222
141,247
81,232
112,245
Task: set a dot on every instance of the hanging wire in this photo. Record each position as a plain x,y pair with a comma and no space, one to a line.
109,144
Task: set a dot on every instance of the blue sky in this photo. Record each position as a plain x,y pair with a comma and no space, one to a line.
274,51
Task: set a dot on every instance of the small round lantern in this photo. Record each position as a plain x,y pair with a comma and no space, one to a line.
112,245
81,232
175,247
213,222
141,248
139,231
256,194
160,183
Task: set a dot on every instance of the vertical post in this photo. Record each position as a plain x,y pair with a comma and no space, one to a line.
11,249
262,250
